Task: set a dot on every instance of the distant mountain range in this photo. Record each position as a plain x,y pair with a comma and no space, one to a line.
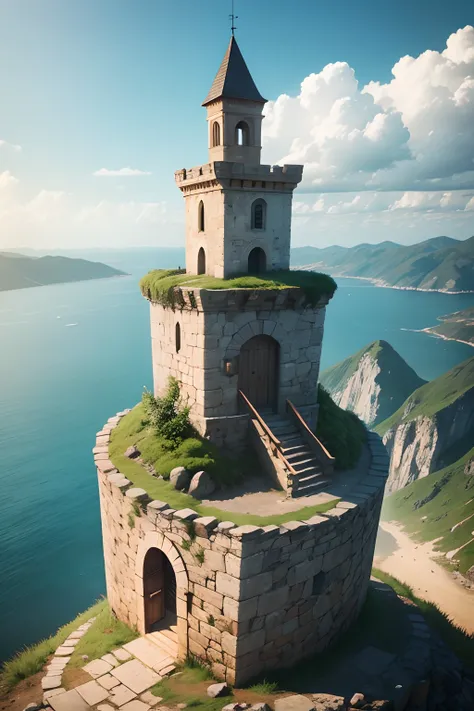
438,264
17,271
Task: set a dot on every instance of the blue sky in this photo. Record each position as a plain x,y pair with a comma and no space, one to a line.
114,84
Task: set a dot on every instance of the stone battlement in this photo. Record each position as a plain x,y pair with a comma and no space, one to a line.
227,170
248,598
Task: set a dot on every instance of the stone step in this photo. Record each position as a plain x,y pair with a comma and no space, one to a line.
296,451
309,489
304,462
148,652
169,646
308,478
305,471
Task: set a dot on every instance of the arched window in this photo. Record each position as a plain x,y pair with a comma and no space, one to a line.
201,261
216,134
242,134
201,223
177,337
257,261
259,214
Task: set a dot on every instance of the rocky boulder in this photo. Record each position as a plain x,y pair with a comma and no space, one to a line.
201,485
180,478
132,452
216,690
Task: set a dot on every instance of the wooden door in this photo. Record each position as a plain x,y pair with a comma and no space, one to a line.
154,587
258,371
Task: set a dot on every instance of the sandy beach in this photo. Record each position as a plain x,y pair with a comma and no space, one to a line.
412,563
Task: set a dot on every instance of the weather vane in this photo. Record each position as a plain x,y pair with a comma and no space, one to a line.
233,17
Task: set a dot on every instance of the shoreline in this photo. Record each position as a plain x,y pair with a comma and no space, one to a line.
381,283
415,564
430,332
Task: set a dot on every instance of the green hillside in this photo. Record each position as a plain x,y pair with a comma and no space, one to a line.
20,272
432,507
441,263
433,396
458,326
396,379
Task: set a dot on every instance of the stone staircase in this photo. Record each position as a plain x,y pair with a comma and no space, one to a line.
309,477
166,640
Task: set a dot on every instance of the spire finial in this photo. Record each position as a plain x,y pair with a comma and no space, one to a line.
233,17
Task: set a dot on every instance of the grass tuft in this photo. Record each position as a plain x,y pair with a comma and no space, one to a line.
31,660
264,687
162,285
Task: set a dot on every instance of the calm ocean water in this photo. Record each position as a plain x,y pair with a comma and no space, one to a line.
72,355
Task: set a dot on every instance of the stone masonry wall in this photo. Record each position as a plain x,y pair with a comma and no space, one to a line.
249,598
213,332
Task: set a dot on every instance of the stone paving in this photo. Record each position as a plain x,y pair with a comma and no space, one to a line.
120,679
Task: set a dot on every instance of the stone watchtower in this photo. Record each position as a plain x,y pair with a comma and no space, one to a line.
238,212
219,342
246,351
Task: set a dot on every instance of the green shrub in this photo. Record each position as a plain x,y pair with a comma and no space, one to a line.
167,415
341,431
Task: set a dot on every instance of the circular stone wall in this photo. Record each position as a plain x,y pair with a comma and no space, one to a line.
249,598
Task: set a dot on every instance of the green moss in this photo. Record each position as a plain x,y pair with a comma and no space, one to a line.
132,430
341,431
31,660
161,285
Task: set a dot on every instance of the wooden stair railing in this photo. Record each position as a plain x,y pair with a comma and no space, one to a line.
274,441
317,447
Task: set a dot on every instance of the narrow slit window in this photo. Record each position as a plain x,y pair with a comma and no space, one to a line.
201,221
178,338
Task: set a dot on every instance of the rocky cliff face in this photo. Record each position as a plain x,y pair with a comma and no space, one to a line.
422,442
373,383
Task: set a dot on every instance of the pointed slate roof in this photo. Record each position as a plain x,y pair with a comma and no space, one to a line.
233,80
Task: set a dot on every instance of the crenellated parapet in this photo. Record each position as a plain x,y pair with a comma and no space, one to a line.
239,176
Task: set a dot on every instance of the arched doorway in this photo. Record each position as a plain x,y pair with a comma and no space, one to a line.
257,263
201,265
258,371
159,589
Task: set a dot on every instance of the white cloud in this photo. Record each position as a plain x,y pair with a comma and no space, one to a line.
11,146
120,173
53,218
414,133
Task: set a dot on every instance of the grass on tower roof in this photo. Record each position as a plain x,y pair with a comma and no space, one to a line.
159,285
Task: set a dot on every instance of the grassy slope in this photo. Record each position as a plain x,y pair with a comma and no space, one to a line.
130,431
159,284
397,379
452,502
32,659
341,432
461,643
22,272
459,325
434,396
105,634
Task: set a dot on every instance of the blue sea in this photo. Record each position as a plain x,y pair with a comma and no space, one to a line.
70,357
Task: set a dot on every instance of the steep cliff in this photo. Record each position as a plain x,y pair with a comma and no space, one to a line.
372,383
432,429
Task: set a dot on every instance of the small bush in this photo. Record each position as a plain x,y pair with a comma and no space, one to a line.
341,431
167,415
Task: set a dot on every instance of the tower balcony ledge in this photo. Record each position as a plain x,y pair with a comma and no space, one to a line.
270,291
225,170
